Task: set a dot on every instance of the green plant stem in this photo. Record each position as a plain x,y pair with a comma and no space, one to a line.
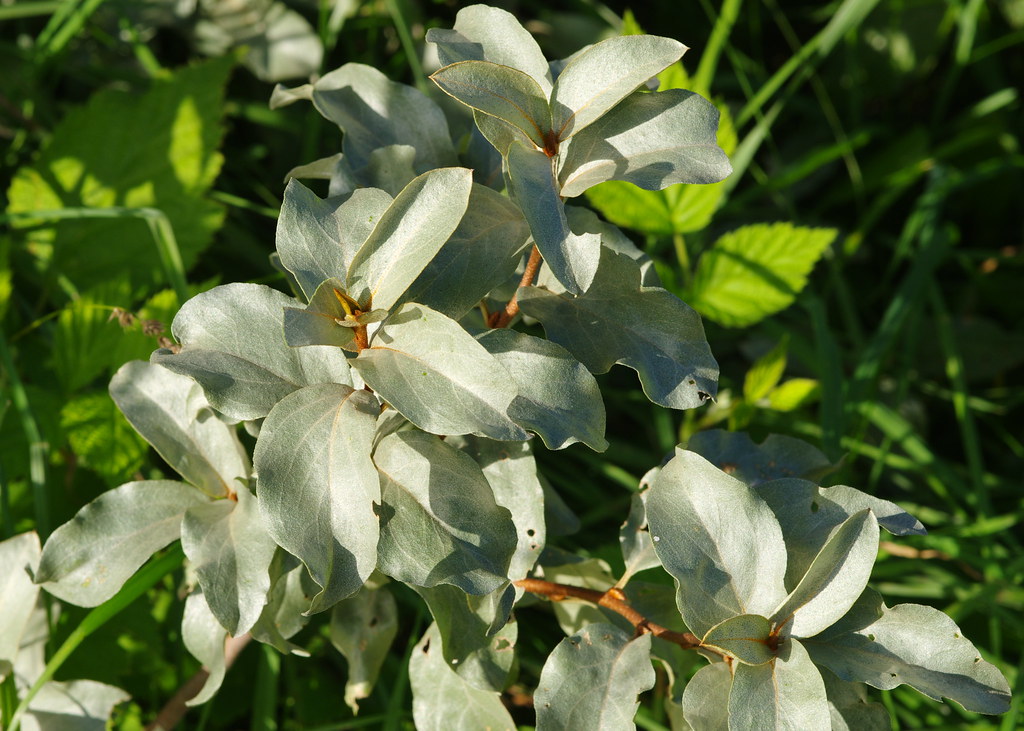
65,24
683,257
29,9
713,50
408,46
135,587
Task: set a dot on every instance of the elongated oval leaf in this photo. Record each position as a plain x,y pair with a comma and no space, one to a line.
232,344
706,698
834,581
600,77
19,557
317,485
440,378
88,559
170,413
204,639
363,627
785,694
592,679
440,523
744,638
718,539
410,232
231,552
499,91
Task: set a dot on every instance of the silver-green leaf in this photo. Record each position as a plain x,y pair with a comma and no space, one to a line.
363,626
204,638
19,557
706,698
787,693
745,637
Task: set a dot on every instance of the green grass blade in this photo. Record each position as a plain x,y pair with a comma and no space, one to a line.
713,50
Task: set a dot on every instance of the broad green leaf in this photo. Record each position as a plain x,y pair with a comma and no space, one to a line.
558,398
19,557
706,698
363,627
572,258
439,522
833,581
443,701
592,679
75,705
809,515
204,638
583,220
650,140
785,694
499,133
390,168
375,112
232,344
849,708
755,271
765,373
744,637
776,457
646,328
916,645
481,255
499,91
317,485
172,414
230,552
483,33
597,79
317,238
323,321
478,640
718,539
408,235
175,130
101,438
438,377
88,559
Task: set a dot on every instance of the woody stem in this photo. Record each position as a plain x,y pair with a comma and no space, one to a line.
504,317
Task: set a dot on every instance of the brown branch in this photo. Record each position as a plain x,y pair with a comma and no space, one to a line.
614,600
172,713
503,318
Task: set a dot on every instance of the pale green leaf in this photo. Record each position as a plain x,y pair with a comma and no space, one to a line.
718,539
785,694
558,398
592,679
604,74
755,271
744,637
635,541
439,521
408,235
499,91
322,322
793,394
500,134
88,559
19,557
317,238
647,328
317,485
204,638
284,615
572,258
651,140
172,414
75,705
765,373
776,457
591,573
443,701
440,378
849,708
390,168
101,438
706,698
363,626
232,344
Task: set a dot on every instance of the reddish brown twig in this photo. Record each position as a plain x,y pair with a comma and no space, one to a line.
504,317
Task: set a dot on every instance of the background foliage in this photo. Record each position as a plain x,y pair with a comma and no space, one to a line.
885,137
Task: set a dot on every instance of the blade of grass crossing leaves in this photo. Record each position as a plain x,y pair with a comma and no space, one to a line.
264,697
713,50
64,25
831,377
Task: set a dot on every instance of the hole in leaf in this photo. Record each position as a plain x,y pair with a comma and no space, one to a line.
531,532
373,622
815,507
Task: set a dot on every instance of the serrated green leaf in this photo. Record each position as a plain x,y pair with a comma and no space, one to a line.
592,679
572,258
439,521
650,140
755,271
230,552
706,698
19,557
776,457
745,637
912,644
718,539
88,559
507,93
408,235
443,701
558,398
438,377
101,438
318,238
172,414
362,630
317,485
655,333
176,126
376,112
604,74
204,639
232,344
833,581
785,694
765,373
